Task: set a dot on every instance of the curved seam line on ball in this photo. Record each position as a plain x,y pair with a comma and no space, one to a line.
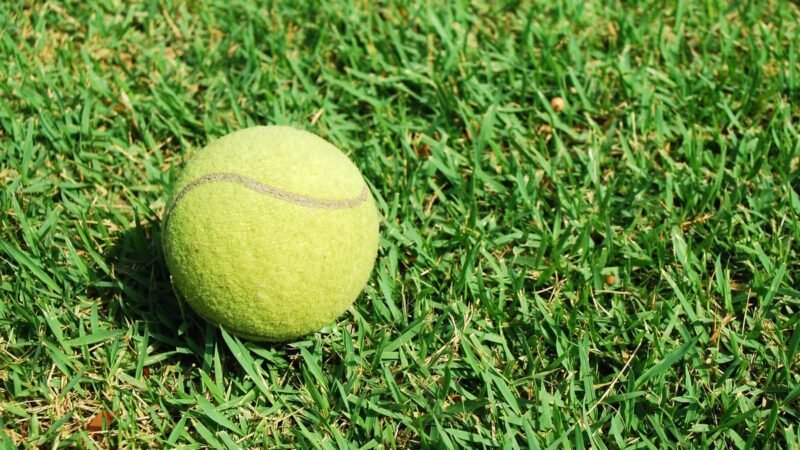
262,188
257,186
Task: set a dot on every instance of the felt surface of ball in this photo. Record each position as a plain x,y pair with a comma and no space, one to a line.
270,232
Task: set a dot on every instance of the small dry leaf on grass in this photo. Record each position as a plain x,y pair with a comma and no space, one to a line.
96,423
423,151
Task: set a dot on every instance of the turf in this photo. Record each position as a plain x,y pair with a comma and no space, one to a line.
622,273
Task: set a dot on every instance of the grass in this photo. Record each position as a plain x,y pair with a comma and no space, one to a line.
622,273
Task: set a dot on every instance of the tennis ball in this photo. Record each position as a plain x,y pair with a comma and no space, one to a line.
270,232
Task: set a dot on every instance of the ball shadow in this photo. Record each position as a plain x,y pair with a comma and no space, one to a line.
146,298
145,293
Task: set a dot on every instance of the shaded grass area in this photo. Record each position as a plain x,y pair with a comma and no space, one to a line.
620,273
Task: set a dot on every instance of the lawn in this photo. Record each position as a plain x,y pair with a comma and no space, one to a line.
617,271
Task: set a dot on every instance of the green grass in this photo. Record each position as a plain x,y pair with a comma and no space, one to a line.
489,320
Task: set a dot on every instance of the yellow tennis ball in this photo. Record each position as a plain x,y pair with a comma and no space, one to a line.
271,232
